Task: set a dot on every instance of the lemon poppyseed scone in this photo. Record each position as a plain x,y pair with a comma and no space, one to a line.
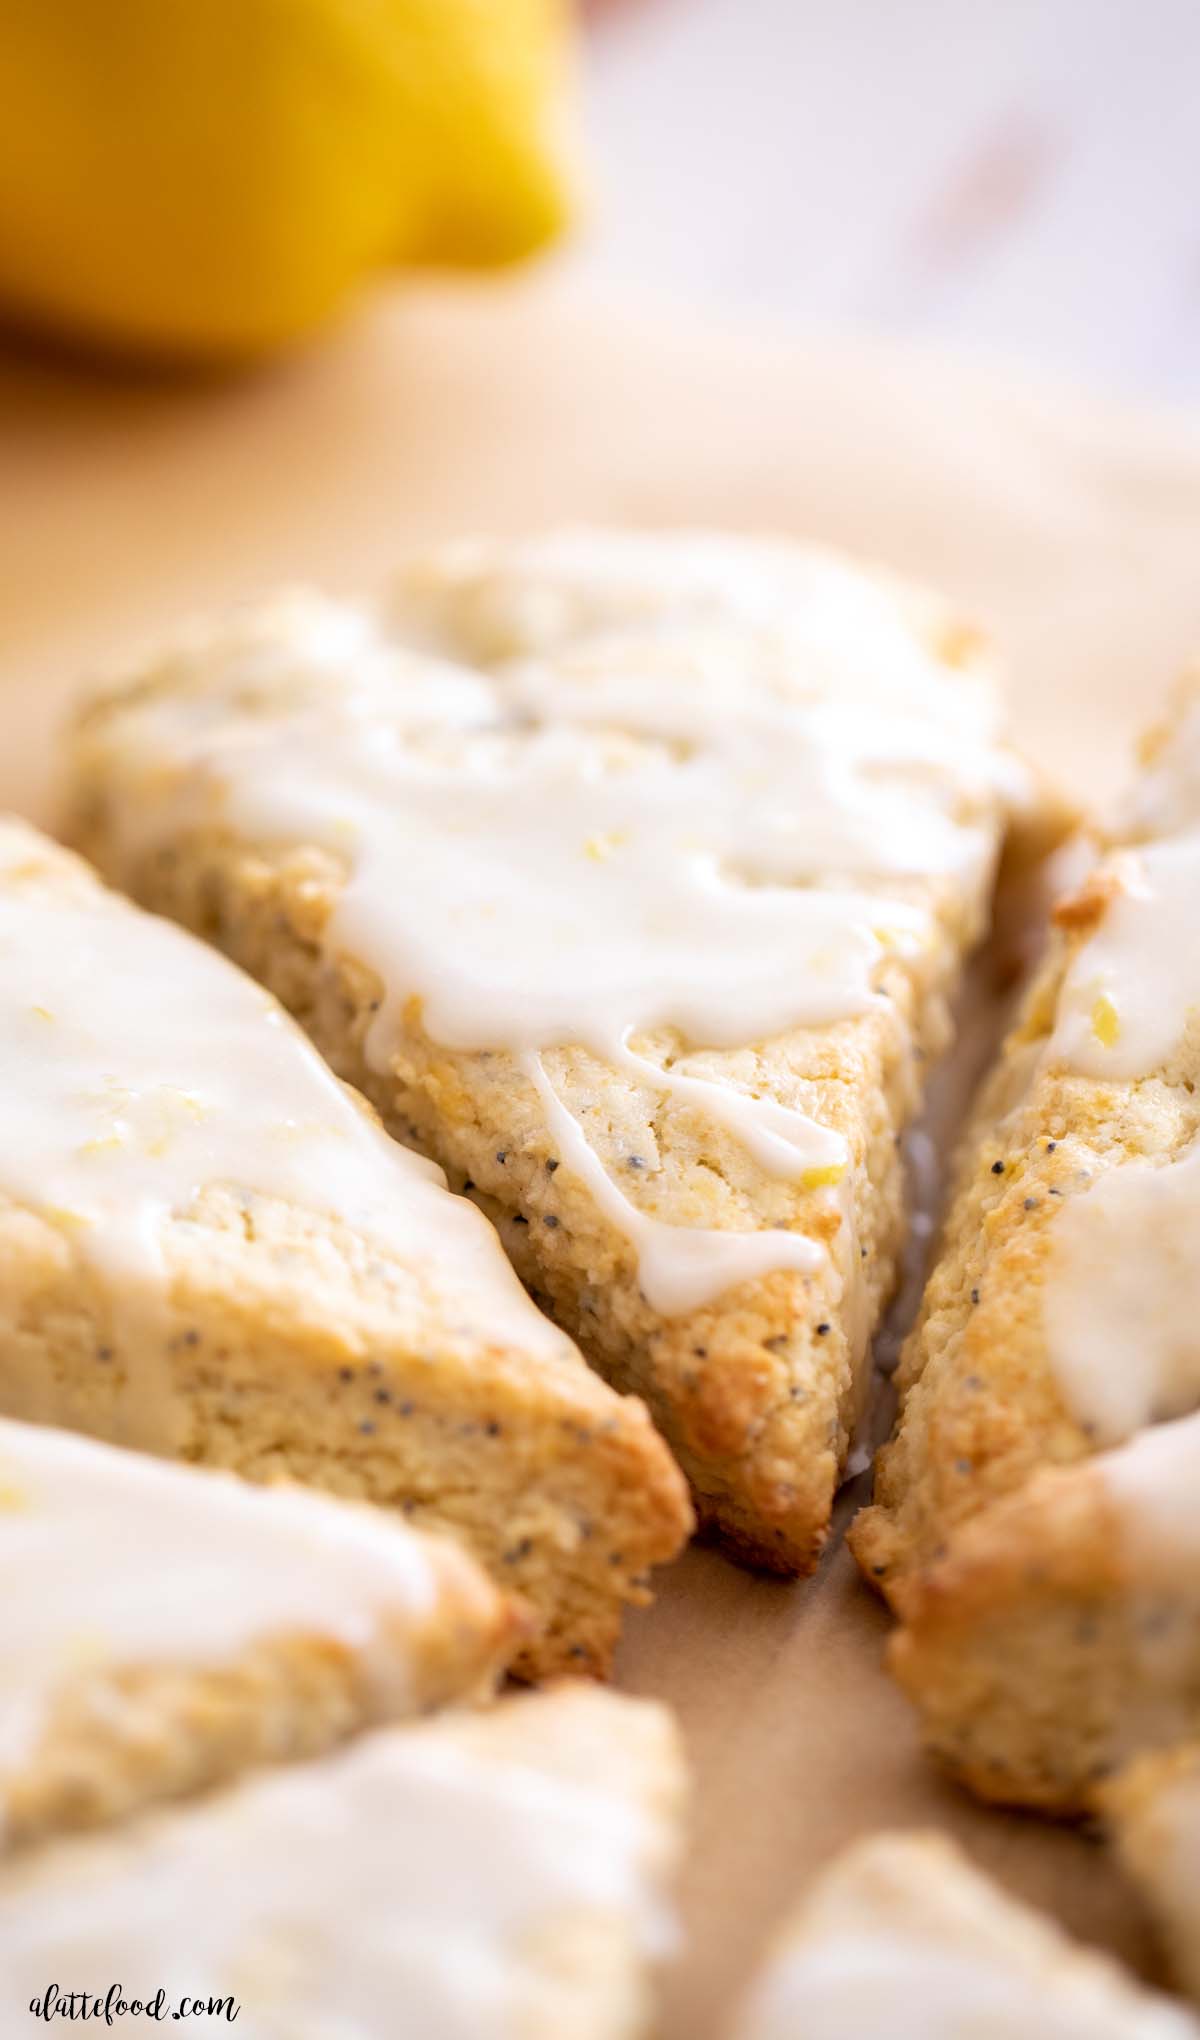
210,1250
1153,1814
1060,1323
1060,1316
902,1937
629,877
503,1874
1060,1634
164,1628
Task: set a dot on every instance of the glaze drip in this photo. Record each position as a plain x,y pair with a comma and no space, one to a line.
142,1069
715,821
1122,1301
232,1565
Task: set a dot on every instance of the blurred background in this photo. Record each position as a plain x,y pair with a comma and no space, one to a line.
1022,176
216,178
290,286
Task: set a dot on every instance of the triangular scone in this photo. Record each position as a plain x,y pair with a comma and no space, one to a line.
1153,1815
1063,1312
504,1874
628,876
901,1939
1059,1635
210,1250
1035,1521
164,1628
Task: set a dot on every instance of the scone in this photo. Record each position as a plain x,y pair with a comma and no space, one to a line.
902,1939
629,876
503,1874
1049,1595
164,1628
1061,1314
210,1250
1153,1813
1060,1634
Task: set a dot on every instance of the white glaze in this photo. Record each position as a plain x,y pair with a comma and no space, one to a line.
902,1940
1134,985
420,1883
1153,1482
111,1560
889,1987
725,795
1122,1307
1122,1295
813,618
1151,1490
679,1267
140,1068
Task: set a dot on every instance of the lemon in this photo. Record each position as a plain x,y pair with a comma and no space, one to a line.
210,177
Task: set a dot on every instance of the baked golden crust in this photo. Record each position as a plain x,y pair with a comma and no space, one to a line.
115,1743
980,1409
980,1406
1042,1652
296,1354
757,1404
268,1627
1027,1571
757,1393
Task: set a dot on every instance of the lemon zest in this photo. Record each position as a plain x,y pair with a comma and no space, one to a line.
1106,1022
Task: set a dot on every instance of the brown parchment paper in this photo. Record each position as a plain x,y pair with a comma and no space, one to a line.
1071,529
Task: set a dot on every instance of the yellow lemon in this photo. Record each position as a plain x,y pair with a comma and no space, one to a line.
210,177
